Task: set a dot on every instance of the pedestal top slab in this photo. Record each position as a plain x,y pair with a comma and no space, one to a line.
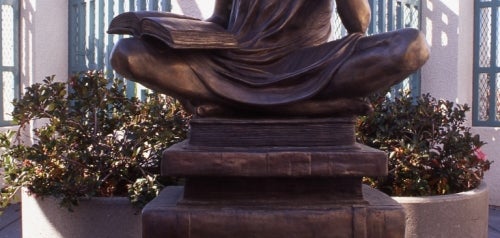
297,132
357,160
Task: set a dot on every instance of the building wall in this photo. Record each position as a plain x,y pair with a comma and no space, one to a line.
43,43
44,40
196,8
448,25
449,28
446,34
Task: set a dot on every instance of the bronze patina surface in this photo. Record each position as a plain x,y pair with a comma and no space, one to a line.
278,188
283,64
272,149
378,217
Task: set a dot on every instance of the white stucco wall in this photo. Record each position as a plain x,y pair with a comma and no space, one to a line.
448,25
491,135
44,40
196,8
448,73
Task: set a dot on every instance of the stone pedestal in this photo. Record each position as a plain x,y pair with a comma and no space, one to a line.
273,178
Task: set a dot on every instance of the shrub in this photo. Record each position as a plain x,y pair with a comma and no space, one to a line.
95,141
430,150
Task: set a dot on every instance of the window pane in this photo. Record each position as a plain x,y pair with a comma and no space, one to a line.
485,38
497,108
8,90
487,63
484,97
498,37
411,15
7,35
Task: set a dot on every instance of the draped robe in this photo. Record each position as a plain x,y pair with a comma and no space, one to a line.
282,57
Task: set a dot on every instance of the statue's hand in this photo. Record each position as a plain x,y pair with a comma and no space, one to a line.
355,14
219,20
222,11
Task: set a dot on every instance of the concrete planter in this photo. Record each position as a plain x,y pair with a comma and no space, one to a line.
98,217
457,215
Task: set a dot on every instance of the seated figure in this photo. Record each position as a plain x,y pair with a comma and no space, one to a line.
283,64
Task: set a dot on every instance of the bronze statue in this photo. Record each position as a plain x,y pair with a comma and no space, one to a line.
282,64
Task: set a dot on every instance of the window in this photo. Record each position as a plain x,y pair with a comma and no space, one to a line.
486,85
89,44
9,58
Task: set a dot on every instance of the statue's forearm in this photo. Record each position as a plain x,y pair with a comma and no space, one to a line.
355,14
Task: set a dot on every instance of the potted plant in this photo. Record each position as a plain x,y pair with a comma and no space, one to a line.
435,164
93,142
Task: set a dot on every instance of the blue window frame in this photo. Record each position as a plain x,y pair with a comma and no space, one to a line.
9,58
89,44
486,84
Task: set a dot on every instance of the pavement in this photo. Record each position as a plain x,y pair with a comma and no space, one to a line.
10,222
494,222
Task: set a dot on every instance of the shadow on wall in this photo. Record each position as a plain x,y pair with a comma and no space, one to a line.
26,46
99,217
196,8
26,51
43,40
441,25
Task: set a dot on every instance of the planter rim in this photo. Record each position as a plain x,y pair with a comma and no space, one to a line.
95,217
481,189
95,200
107,200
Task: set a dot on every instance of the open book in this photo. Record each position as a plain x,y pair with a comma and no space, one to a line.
177,31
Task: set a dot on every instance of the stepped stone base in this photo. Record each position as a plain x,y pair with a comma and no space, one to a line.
378,217
355,161
272,178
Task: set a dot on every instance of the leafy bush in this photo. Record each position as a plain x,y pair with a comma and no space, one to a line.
430,150
95,141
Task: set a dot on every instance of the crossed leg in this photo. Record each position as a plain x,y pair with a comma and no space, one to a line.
379,61
159,68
